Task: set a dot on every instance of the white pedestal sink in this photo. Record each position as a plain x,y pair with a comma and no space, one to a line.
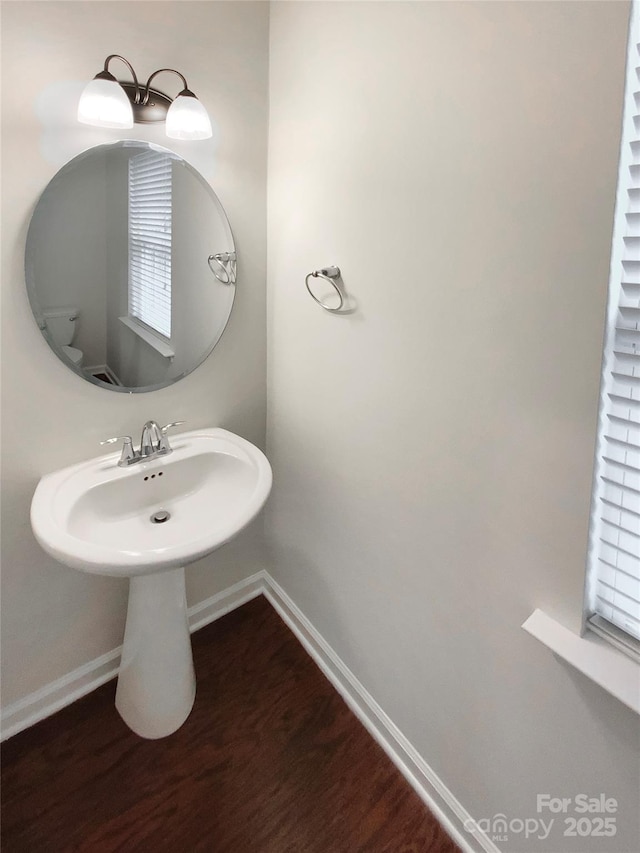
147,522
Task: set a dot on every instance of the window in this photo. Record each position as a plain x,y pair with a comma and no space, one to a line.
150,241
613,589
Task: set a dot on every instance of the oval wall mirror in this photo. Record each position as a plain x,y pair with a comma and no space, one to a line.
130,266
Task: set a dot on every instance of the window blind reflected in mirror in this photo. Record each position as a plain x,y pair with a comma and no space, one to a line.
150,240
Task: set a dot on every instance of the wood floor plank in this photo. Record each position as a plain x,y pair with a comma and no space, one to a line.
271,760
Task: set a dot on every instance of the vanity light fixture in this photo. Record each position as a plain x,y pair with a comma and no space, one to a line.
108,102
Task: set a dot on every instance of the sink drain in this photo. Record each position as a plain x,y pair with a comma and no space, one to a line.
160,517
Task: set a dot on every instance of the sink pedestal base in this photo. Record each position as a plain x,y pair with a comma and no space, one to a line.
157,683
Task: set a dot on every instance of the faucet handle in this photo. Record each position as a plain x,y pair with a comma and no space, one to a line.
165,429
164,441
127,447
125,438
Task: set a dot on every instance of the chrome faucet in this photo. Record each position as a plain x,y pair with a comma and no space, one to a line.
154,442
150,439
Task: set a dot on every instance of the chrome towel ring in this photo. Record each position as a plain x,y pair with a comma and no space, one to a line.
225,270
328,274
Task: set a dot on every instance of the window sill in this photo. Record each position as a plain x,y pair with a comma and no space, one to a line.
148,337
594,657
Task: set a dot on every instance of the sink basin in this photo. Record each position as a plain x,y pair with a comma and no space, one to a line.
146,522
96,517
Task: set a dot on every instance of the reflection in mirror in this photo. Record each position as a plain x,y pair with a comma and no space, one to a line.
118,266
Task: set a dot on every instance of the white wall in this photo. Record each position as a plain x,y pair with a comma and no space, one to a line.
54,618
432,451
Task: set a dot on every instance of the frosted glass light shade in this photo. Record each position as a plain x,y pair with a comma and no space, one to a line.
187,118
104,103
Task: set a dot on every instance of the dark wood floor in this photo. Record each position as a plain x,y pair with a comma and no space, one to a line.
271,760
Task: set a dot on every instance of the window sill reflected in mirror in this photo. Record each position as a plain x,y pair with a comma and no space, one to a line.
155,341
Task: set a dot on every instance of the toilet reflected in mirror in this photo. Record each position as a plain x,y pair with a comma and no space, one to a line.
59,325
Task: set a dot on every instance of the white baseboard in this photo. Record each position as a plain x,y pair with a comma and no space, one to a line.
76,684
58,694
428,785
224,602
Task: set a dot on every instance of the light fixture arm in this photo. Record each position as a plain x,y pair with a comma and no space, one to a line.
160,71
130,67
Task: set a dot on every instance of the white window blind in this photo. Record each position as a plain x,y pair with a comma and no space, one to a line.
614,572
150,240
